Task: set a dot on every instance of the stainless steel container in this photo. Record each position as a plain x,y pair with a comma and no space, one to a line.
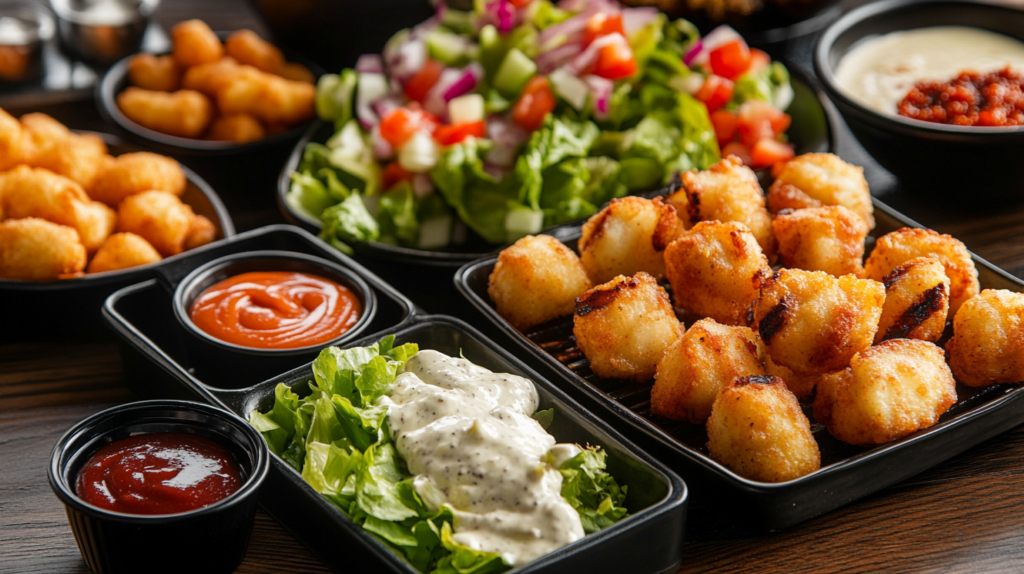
101,32
25,27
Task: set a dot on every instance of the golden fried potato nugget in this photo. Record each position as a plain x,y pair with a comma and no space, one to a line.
159,217
699,365
272,99
536,279
890,391
829,239
758,431
185,113
987,347
681,203
916,301
211,78
729,191
624,326
12,142
247,47
896,248
121,251
297,73
149,72
203,231
824,178
49,144
628,236
34,249
716,271
813,323
800,385
239,128
94,222
133,173
194,43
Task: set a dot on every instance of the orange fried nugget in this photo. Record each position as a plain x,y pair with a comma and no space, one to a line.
185,113
195,43
203,231
121,251
12,141
159,217
239,128
34,249
212,77
248,48
297,72
133,173
270,98
150,72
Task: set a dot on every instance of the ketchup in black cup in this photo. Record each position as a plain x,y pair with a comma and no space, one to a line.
160,486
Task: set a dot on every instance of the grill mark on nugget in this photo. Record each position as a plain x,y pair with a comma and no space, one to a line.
774,320
756,380
601,298
929,303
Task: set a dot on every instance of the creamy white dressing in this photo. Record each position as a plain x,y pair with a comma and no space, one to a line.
468,438
879,72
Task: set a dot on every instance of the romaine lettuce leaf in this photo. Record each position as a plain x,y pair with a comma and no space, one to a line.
465,560
481,200
588,487
347,222
558,139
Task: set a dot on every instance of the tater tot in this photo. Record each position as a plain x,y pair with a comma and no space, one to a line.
211,78
825,178
896,248
624,326
916,301
758,431
159,217
12,142
270,98
699,365
34,249
536,279
185,113
133,173
716,271
43,138
149,72
202,232
248,48
297,73
94,222
37,192
681,203
987,347
627,237
239,128
829,239
813,323
121,251
788,196
890,391
194,43
81,158
729,191
801,385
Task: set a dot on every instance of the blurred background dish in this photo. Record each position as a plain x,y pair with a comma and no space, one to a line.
102,32
753,17
25,27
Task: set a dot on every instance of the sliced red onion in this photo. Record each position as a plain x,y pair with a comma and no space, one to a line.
407,59
386,105
371,88
720,36
505,13
567,29
601,90
422,184
471,75
440,10
435,103
370,64
696,50
573,5
636,19
585,59
382,150
556,58
507,138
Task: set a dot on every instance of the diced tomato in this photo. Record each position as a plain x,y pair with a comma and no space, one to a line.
394,174
715,93
758,61
521,3
725,125
401,123
730,60
451,135
602,25
759,119
739,150
615,59
768,152
417,87
534,104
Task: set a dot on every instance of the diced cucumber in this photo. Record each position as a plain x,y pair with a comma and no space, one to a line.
515,70
466,109
523,221
435,233
335,96
419,154
571,88
447,48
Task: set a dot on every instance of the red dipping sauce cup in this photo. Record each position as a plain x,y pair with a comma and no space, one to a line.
211,538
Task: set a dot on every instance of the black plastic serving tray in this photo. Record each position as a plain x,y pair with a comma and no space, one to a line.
657,498
847,473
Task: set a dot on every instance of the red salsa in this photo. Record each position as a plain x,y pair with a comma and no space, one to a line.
158,473
971,99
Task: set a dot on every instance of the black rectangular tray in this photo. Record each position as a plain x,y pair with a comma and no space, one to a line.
657,498
847,473
149,304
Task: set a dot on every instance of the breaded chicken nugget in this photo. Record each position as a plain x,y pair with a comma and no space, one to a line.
813,323
272,99
987,347
194,43
248,48
896,248
212,77
149,72
787,196
536,279
624,326
729,191
297,73
240,128
628,236
716,271
133,173
159,217
916,301
12,142
699,365
890,391
34,249
825,178
829,239
121,251
49,144
184,113
758,431
202,232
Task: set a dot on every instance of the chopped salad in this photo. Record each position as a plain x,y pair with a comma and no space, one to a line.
523,114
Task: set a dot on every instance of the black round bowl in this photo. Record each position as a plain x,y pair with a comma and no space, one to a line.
937,159
210,539
115,80
220,364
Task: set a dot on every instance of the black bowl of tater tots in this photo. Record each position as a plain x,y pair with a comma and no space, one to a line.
213,94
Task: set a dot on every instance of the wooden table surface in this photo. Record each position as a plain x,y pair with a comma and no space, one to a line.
962,515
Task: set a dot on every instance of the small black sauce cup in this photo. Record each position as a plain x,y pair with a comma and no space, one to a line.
220,364
210,539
